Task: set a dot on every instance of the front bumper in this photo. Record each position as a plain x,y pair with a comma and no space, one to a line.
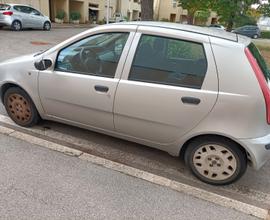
258,149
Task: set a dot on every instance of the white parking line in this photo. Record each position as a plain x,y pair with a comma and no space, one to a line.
159,180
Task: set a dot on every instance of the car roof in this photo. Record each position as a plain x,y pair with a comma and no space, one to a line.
183,27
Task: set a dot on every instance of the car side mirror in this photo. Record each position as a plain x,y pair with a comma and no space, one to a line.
43,64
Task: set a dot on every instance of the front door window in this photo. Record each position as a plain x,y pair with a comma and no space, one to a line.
96,55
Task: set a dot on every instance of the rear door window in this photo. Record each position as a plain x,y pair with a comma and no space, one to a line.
169,61
260,60
18,8
4,7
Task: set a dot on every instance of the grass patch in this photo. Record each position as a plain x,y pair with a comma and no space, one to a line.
265,50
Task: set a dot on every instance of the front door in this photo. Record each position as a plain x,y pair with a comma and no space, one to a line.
169,86
82,85
37,19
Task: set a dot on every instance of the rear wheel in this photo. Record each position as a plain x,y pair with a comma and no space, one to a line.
16,26
47,26
255,36
20,107
217,161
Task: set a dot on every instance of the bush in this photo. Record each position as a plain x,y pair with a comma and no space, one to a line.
75,16
244,20
164,19
60,15
266,34
201,17
101,22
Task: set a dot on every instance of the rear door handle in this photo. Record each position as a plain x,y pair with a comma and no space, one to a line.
191,100
99,88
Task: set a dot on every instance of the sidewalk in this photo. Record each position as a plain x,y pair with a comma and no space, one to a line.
37,183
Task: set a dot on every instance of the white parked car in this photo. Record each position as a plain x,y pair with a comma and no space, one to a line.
194,92
19,17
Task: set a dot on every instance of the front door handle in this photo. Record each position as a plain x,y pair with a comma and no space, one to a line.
190,100
99,88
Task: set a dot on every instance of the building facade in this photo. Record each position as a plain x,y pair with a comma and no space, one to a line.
95,11
168,10
92,11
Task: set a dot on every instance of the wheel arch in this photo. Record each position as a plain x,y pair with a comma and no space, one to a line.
18,21
187,142
8,85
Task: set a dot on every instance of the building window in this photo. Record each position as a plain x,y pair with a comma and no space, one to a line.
174,3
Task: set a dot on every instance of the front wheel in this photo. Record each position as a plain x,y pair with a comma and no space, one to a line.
256,36
20,107
47,26
216,161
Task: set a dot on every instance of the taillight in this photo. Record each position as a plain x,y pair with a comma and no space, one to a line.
9,13
262,81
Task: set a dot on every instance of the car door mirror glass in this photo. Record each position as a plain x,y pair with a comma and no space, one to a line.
43,64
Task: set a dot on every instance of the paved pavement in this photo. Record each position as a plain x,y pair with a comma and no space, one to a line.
13,44
252,188
37,183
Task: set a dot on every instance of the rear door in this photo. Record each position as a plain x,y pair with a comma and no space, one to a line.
22,13
168,86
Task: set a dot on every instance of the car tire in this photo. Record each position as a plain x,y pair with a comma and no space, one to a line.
20,107
216,160
256,36
47,26
16,26
1,27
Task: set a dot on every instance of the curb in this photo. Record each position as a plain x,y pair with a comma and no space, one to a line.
147,176
66,26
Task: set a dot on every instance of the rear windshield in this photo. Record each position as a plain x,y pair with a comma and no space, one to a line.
257,55
4,7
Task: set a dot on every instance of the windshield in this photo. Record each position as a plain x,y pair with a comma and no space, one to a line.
257,55
4,7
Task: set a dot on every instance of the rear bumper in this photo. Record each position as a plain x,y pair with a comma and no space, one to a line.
258,149
7,21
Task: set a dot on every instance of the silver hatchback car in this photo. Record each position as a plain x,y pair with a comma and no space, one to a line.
19,17
194,92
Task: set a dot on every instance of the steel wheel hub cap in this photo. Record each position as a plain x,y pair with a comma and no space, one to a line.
19,108
214,162
17,26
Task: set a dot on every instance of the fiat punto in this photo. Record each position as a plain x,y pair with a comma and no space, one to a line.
198,93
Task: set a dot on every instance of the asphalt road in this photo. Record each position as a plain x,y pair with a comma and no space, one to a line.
37,183
252,188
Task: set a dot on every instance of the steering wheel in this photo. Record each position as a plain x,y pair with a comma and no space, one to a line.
90,60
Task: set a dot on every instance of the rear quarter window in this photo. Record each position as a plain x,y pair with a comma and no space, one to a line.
260,60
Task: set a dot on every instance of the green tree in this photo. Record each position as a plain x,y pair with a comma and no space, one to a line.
265,10
230,10
201,17
193,6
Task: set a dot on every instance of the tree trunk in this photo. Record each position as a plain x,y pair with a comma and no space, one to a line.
190,19
231,22
147,10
